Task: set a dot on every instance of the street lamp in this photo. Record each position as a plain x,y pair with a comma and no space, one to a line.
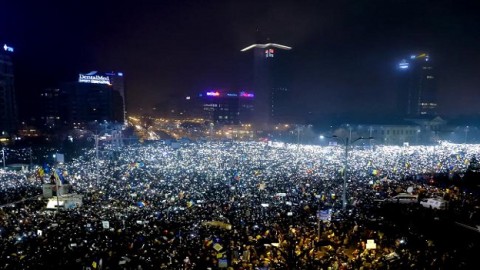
467,128
299,129
3,157
347,143
350,132
371,130
95,137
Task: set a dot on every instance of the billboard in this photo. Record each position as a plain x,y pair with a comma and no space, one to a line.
96,79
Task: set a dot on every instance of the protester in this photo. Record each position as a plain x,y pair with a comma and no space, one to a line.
242,205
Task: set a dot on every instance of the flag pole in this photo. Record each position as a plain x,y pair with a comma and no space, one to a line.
58,191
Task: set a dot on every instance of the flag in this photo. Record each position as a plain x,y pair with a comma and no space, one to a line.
236,176
375,172
41,172
208,242
56,177
46,168
60,175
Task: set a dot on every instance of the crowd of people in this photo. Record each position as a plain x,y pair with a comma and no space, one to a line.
234,205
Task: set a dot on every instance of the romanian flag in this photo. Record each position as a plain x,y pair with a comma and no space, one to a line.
375,172
236,176
58,177
137,165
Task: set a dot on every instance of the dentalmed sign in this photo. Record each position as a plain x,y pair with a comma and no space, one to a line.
97,79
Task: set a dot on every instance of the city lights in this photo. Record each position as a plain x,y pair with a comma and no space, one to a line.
247,135
213,94
403,65
246,95
7,48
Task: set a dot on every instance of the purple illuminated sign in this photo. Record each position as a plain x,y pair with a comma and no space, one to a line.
247,95
213,94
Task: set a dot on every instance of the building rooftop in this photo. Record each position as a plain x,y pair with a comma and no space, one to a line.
267,45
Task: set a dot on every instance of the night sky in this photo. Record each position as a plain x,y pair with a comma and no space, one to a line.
344,52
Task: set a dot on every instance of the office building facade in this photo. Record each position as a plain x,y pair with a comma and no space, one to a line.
90,101
93,97
417,93
116,81
227,108
8,105
270,81
54,109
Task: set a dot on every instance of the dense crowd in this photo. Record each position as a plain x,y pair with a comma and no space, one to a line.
242,205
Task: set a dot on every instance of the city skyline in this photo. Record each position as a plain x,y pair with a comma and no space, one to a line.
344,60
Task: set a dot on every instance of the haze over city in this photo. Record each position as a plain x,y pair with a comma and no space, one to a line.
344,58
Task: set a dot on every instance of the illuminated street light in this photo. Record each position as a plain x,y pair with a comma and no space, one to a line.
3,157
347,143
467,128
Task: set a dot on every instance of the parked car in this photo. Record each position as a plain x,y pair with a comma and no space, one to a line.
434,203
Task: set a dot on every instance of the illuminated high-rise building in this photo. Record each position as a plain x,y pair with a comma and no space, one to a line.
116,81
94,97
227,108
53,113
8,105
270,81
417,88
